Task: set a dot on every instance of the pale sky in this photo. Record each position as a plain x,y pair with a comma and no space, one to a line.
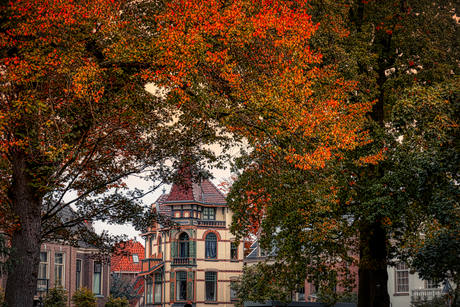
149,199
218,174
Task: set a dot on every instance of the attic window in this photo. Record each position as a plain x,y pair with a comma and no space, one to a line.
135,258
209,214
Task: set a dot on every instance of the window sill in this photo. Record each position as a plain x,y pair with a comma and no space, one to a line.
98,295
211,259
401,294
210,303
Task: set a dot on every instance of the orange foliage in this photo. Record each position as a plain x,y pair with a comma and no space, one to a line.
249,65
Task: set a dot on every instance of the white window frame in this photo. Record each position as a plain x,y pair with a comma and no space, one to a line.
98,291
136,258
59,266
47,270
430,284
78,273
401,278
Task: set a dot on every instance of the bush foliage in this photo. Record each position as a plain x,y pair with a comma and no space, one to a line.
84,297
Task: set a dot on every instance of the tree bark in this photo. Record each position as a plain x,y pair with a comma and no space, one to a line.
22,282
373,275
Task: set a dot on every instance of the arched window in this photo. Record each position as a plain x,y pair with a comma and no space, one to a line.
183,245
211,246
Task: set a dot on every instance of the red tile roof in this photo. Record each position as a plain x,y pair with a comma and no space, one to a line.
204,191
122,260
165,210
140,289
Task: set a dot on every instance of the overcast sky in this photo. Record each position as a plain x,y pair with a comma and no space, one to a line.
218,174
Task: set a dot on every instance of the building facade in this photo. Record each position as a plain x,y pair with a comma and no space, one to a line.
404,286
125,266
72,267
306,291
195,262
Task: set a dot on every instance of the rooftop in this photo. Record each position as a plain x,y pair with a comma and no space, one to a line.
125,260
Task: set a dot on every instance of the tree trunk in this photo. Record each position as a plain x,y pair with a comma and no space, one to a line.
22,282
373,275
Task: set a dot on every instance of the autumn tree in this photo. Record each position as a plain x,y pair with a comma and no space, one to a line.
350,204
427,118
75,118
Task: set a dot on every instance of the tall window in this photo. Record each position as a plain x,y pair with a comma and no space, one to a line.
301,294
211,246
151,245
233,293
160,250
158,283
431,284
209,213
78,274
402,278
181,286
97,278
59,268
233,251
43,271
149,285
210,286
183,245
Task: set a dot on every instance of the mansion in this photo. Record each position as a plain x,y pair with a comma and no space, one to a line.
195,260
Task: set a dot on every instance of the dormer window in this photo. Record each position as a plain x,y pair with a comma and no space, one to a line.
209,213
135,258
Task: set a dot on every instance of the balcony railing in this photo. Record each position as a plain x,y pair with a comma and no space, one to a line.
429,294
150,263
183,261
211,223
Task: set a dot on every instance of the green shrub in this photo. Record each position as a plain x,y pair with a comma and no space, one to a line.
2,298
56,297
424,302
343,297
84,297
116,302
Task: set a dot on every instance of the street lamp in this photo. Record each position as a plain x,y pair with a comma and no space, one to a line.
41,292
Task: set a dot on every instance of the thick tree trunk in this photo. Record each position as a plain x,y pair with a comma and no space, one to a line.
373,275
22,282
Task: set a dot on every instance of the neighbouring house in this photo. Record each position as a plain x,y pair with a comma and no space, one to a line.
403,286
307,293
197,262
126,264
72,267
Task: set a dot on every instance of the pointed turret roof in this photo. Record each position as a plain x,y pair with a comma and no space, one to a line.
203,192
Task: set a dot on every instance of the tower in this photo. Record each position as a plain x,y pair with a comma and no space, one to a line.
195,262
